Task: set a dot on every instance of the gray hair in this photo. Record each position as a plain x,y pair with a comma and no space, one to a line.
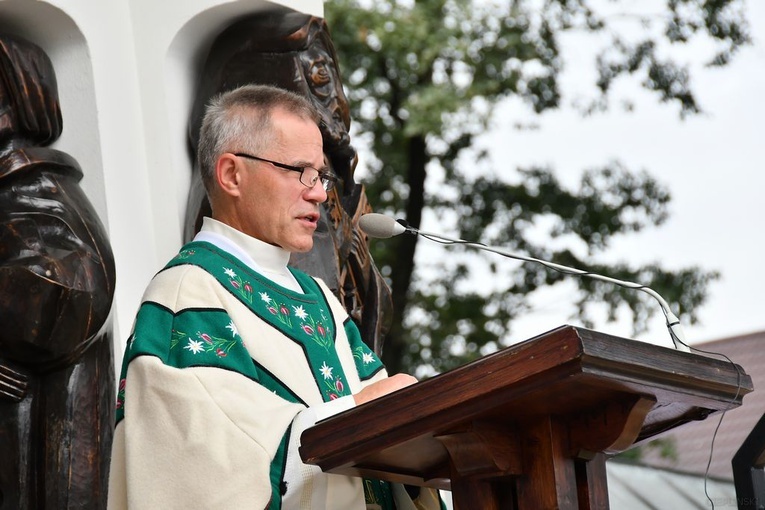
240,120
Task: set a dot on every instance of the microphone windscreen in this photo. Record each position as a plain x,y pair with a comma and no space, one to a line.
380,226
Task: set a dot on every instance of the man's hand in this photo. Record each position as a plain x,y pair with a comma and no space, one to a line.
380,388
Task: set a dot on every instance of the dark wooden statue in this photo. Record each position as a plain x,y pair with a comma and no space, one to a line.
294,51
56,287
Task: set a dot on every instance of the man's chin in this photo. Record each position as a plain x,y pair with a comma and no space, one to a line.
302,247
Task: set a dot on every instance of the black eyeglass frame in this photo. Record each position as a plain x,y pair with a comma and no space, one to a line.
328,181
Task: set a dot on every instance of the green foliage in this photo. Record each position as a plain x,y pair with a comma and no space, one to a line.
423,79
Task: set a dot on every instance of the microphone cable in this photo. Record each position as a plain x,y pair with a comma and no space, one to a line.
719,422
673,323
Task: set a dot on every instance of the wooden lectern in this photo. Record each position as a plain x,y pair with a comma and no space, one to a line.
528,427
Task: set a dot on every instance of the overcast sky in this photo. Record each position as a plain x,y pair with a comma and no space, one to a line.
713,165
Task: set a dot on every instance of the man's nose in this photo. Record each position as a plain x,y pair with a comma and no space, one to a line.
316,194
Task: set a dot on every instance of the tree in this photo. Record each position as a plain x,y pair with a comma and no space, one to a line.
423,79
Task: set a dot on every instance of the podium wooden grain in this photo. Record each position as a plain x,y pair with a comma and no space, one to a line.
528,427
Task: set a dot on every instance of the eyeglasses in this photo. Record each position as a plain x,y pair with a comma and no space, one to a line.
309,175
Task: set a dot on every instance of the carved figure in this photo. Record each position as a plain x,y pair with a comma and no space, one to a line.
294,51
56,287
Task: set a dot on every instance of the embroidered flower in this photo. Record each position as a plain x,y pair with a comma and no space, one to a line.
320,333
326,371
232,327
195,346
121,394
176,337
364,355
243,288
280,311
333,387
312,321
207,342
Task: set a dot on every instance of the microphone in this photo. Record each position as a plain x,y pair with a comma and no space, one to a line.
380,226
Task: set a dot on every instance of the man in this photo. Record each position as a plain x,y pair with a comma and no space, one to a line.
232,354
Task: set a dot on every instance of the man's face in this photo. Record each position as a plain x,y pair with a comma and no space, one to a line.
275,206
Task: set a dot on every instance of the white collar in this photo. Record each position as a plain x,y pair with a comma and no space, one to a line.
269,260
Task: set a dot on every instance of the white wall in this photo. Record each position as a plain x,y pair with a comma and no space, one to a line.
126,74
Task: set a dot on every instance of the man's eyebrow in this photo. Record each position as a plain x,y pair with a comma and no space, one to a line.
325,169
301,164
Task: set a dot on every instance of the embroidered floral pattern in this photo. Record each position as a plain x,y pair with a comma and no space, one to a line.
240,286
184,254
205,342
307,321
333,386
364,355
317,330
175,338
278,310
195,346
326,371
121,394
300,313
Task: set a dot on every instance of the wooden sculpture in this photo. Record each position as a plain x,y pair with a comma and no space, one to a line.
56,287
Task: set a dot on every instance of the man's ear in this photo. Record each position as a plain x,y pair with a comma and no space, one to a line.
227,174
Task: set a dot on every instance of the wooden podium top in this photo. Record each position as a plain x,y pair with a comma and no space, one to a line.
570,374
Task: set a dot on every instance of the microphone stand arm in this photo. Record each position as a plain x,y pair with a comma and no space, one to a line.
673,323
